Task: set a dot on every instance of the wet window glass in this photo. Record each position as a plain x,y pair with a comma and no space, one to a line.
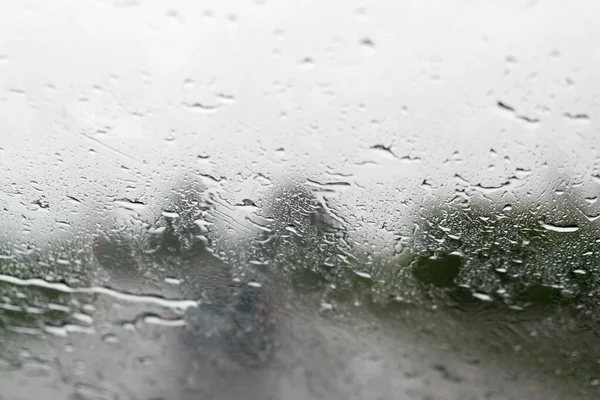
299,200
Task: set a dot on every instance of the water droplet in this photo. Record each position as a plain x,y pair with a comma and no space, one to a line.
591,218
247,204
292,229
363,274
170,214
491,189
367,42
89,392
426,185
110,338
483,296
202,107
307,61
188,83
577,117
156,320
410,159
557,228
83,318
505,107
384,151
130,204
226,98
64,330
16,91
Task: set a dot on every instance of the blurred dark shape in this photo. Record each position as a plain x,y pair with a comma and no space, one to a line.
439,271
295,205
113,251
244,327
233,317
541,295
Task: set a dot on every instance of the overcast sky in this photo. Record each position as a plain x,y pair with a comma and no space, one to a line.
108,99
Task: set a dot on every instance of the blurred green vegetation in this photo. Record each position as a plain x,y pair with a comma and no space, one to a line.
519,281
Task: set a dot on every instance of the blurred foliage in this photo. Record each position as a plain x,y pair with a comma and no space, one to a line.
519,280
28,307
514,256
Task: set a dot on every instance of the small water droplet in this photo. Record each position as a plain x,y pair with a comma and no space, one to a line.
202,107
110,338
383,150
226,98
83,318
363,274
203,157
426,185
188,83
247,204
172,281
510,109
16,91
130,204
367,42
170,214
292,229
577,117
307,61
483,296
